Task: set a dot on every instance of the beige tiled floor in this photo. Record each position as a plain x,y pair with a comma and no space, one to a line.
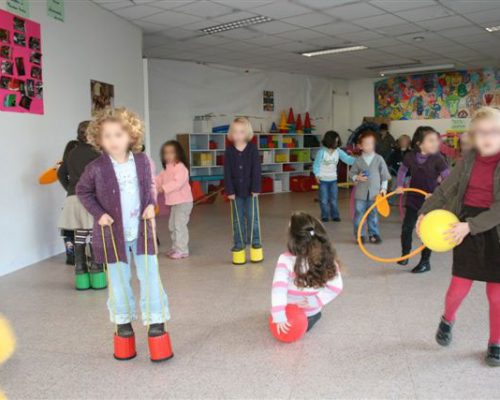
375,341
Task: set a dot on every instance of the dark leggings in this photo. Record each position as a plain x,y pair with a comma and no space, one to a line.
311,320
409,223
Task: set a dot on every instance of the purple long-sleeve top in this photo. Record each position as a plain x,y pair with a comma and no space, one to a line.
426,170
99,193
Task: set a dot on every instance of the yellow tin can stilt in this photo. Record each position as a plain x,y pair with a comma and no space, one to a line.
256,253
239,257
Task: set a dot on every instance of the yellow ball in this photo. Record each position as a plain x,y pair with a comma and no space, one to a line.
7,340
433,228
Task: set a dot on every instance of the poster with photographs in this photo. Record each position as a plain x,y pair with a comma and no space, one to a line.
102,95
21,72
268,100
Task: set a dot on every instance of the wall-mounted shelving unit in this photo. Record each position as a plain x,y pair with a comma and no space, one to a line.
283,155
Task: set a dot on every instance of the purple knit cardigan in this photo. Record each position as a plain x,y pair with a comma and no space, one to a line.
99,193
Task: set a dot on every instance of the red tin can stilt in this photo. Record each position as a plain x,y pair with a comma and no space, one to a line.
160,347
124,347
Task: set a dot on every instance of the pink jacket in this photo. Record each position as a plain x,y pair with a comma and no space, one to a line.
174,183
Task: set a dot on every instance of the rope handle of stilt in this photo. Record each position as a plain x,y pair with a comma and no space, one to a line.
160,285
255,208
110,285
233,204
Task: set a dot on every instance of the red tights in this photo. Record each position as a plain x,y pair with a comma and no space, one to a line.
459,289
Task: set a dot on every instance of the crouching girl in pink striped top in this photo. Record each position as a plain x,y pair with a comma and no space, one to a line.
308,275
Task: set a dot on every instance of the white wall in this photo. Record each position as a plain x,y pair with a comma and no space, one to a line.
91,44
180,90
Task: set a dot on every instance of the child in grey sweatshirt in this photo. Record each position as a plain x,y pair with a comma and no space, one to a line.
371,175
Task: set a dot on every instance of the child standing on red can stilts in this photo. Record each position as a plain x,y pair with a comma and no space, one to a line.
472,192
117,189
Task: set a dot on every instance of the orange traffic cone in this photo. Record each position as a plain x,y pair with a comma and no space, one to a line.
307,124
283,127
298,124
197,191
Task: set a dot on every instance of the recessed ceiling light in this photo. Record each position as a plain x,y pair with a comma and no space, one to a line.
334,51
440,67
259,19
493,28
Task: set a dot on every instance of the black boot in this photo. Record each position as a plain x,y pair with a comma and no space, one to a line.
98,278
422,266
125,330
403,262
82,278
156,330
493,355
444,333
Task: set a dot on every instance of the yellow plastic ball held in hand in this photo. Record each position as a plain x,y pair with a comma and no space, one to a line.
433,229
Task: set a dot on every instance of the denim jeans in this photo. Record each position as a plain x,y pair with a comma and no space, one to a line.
328,196
121,300
246,231
360,207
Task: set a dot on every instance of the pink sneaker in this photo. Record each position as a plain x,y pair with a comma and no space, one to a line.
177,255
170,252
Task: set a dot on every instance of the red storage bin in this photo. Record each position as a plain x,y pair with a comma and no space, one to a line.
301,183
267,185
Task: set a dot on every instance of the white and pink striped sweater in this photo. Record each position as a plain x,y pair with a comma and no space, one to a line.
285,292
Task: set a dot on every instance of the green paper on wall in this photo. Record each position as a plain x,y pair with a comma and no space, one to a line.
55,9
19,7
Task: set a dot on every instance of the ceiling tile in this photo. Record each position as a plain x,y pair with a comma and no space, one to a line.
113,4
148,27
267,40
309,20
353,11
440,24
423,14
467,6
279,10
402,5
170,4
204,8
322,4
382,42
486,16
459,32
378,21
243,4
337,27
210,40
274,27
181,34
171,18
136,12
363,35
301,34
403,29
235,16
239,34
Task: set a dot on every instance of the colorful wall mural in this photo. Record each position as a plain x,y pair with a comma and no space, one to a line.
454,94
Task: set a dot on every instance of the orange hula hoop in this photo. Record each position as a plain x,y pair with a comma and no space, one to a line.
362,223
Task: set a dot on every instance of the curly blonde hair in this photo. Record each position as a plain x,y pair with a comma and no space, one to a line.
127,118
